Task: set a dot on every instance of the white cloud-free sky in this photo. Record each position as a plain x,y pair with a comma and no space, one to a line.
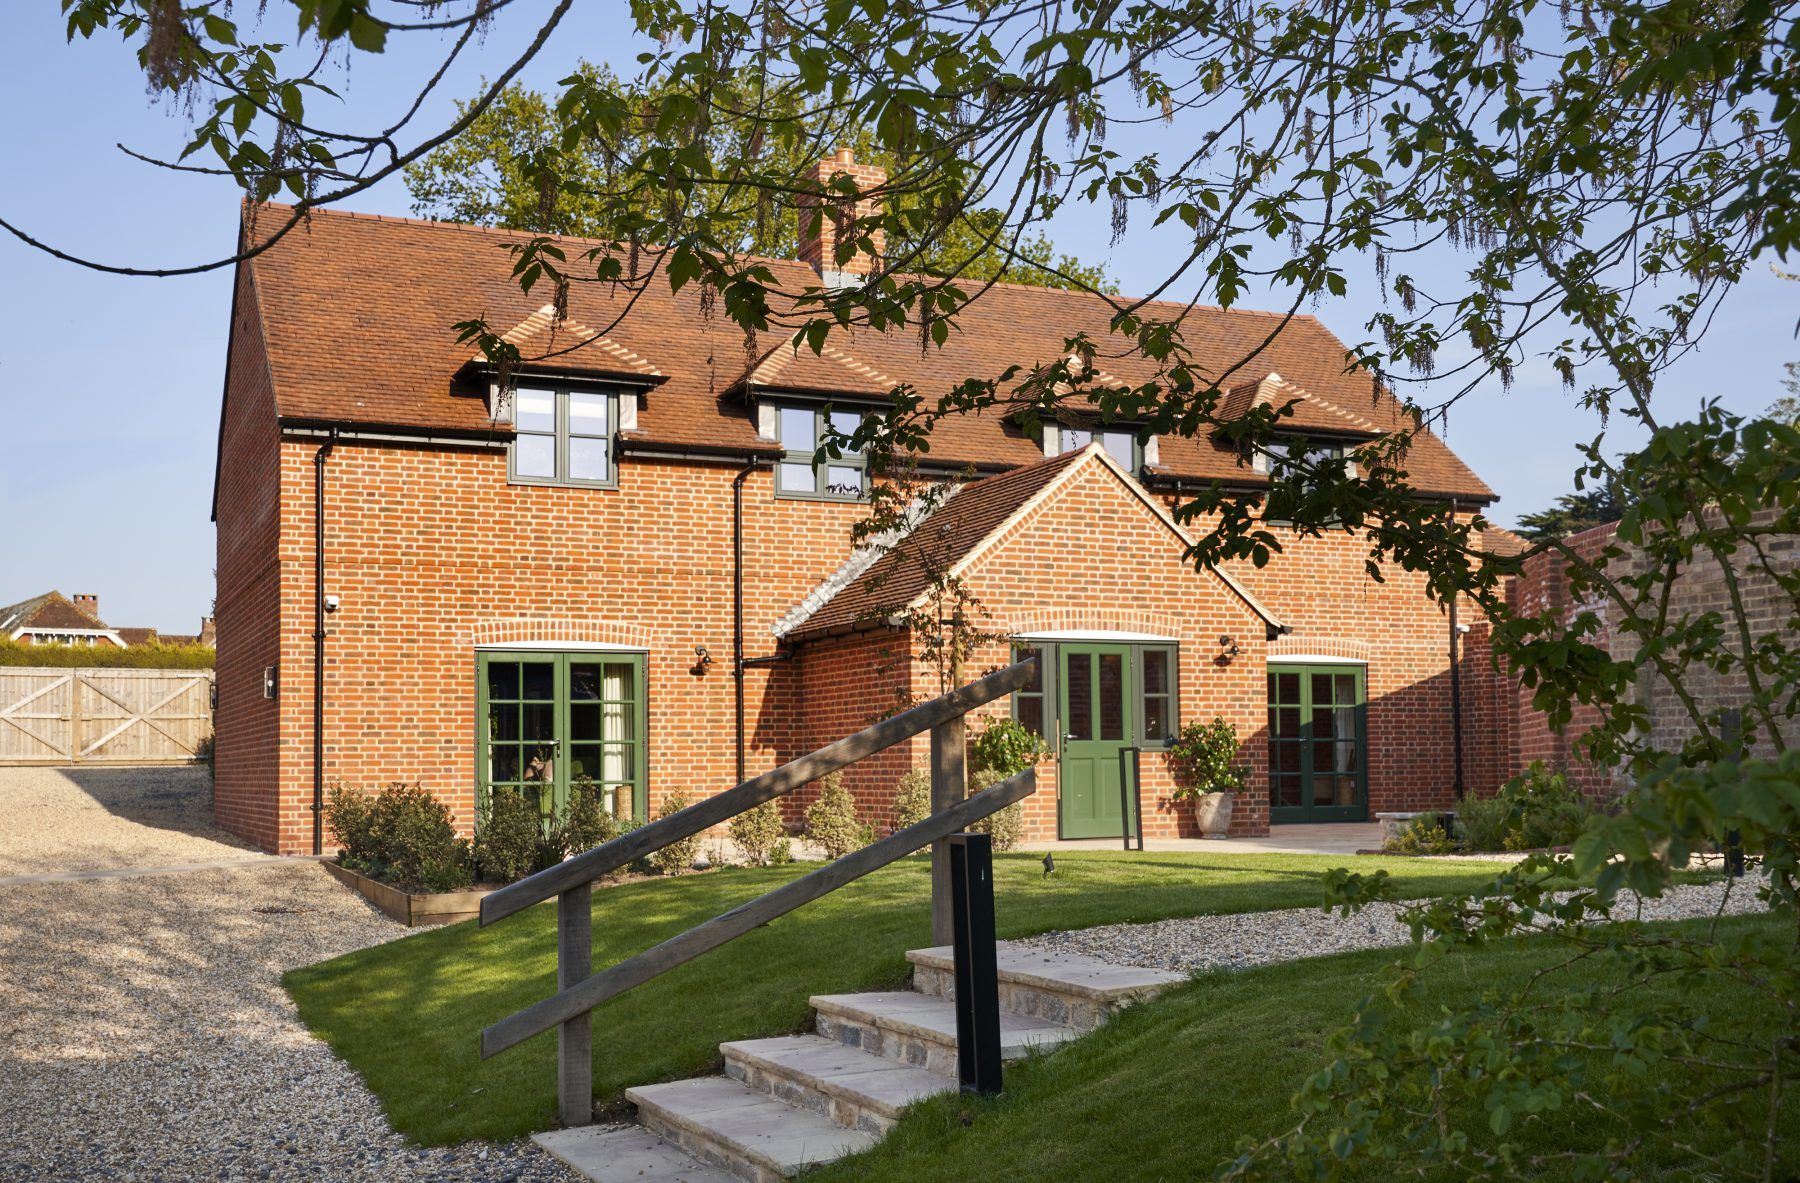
111,385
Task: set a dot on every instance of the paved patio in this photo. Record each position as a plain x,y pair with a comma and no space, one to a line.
1328,838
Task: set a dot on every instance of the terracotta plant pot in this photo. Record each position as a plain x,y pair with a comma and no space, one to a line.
1212,811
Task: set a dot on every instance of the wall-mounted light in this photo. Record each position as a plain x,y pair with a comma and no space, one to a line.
703,659
1228,647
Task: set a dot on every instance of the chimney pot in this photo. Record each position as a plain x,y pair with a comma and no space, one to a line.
88,604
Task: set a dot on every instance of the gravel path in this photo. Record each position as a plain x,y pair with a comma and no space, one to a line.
144,1033
1262,938
95,819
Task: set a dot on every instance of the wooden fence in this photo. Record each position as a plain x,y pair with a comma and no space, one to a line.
104,716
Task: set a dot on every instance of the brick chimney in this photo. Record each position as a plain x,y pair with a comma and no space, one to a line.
818,245
209,634
88,604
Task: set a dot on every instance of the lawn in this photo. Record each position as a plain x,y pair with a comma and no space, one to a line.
406,1014
1167,1090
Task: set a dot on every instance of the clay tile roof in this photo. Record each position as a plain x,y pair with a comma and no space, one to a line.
139,636
52,610
1503,543
1306,411
878,583
541,335
357,313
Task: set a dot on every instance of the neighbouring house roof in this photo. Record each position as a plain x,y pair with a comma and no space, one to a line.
357,314
49,613
140,636
1503,543
882,581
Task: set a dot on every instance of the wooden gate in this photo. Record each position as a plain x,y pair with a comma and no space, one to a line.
104,716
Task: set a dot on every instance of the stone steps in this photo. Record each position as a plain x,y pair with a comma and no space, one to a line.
920,1029
797,1101
848,1085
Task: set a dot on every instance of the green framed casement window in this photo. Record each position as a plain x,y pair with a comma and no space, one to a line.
802,430
1318,743
564,436
547,721
1150,677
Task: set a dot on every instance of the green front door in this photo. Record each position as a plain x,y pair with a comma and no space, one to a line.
1096,720
547,721
1318,732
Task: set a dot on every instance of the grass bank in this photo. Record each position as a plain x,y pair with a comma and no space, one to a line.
406,1014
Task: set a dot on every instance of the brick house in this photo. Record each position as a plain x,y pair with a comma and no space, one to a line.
56,619
629,568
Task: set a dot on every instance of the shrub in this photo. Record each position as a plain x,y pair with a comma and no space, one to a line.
831,821
509,838
585,822
1005,746
1202,759
912,798
1006,827
757,831
1424,834
782,853
677,856
143,657
403,835
1535,809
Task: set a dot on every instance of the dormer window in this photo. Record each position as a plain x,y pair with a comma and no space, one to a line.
563,436
1284,450
1121,443
802,429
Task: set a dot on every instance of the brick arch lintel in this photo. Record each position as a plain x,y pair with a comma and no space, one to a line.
1098,620
518,630
1302,645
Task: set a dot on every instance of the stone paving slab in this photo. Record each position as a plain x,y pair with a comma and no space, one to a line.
930,1017
626,1154
743,1121
1067,973
876,1082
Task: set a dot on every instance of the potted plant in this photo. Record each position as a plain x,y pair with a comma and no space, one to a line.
1202,758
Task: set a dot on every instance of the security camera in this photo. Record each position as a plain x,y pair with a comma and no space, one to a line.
1462,628
331,603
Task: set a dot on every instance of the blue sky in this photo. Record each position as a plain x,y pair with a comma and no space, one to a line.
112,384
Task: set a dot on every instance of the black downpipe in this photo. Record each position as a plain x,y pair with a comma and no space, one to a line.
318,801
737,602
1456,719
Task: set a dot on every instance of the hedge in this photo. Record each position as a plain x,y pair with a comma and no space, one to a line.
156,657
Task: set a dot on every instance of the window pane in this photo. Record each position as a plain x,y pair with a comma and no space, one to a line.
845,482
584,720
584,680
535,455
795,425
1321,689
1346,689
798,478
540,720
617,762
1029,710
503,679
503,763
1112,696
587,414
540,763
1080,723
620,683
540,680
1121,446
584,761
588,459
503,721
1287,722
1156,671
1284,790
1287,688
536,410
1156,717
846,423
1074,439
1036,685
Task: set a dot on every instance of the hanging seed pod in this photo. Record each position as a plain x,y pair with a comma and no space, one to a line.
1121,215
165,65
560,304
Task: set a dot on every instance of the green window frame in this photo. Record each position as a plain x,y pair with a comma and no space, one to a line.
1318,742
805,474
546,721
564,435
1154,690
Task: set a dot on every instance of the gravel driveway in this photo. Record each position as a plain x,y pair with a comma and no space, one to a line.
144,1033
1200,943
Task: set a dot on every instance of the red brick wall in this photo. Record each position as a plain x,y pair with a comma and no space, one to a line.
432,552
246,766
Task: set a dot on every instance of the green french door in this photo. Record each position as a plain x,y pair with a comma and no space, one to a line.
547,721
1318,741
1095,714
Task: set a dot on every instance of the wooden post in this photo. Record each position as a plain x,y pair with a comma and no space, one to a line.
949,785
575,1037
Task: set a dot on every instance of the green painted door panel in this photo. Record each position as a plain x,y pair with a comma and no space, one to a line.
1095,704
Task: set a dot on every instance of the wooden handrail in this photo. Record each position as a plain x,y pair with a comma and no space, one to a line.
628,848
577,1000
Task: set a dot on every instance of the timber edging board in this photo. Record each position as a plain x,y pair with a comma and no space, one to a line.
410,908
